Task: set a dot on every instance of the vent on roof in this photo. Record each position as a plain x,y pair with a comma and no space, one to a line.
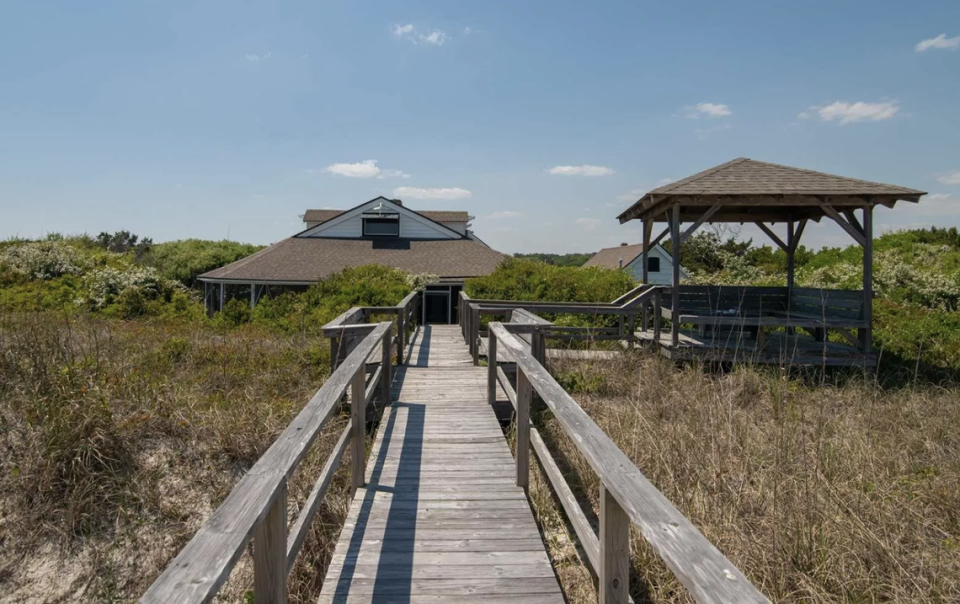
623,245
397,201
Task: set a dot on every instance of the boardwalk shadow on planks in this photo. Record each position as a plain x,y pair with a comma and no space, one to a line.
441,518
399,531
421,346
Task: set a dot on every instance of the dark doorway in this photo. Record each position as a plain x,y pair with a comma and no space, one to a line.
437,307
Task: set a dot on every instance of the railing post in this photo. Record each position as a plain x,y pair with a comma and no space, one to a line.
631,325
524,394
334,353
475,334
614,572
400,336
538,347
492,368
270,554
386,373
358,413
657,315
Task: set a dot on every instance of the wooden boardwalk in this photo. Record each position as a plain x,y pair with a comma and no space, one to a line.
441,518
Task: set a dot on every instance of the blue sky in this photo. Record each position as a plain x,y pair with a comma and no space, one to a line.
219,118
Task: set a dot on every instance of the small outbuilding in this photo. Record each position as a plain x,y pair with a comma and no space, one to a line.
656,266
766,324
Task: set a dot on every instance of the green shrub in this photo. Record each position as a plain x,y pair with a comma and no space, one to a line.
185,259
235,312
519,279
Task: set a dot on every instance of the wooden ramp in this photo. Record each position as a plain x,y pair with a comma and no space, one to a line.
441,518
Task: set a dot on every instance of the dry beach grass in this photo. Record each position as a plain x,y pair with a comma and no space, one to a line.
819,492
119,438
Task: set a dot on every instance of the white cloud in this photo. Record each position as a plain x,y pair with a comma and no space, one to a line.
436,37
363,169
935,197
392,174
254,58
409,32
402,30
431,193
941,41
588,223
467,31
950,178
584,170
848,113
505,214
709,110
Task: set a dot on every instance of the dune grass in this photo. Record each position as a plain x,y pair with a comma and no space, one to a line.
119,438
820,491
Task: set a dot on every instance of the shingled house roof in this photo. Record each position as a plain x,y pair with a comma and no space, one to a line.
309,259
321,216
750,190
610,257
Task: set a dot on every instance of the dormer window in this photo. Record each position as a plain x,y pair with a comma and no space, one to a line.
379,222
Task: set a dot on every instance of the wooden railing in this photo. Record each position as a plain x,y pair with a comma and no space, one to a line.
346,330
625,493
644,301
257,507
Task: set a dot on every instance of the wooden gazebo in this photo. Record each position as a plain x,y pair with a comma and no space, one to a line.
731,322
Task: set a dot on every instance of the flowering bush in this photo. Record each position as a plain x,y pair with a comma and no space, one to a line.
107,285
43,260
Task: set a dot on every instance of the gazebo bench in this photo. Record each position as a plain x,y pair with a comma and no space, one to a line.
752,309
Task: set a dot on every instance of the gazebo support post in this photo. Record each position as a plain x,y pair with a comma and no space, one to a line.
675,311
647,232
791,249
866,333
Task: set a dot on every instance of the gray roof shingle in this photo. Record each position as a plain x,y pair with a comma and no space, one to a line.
610,257
771,189
745,176
309,259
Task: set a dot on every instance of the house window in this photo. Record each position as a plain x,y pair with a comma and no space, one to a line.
381,227
653,265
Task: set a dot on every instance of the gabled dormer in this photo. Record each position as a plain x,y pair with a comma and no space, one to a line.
384,218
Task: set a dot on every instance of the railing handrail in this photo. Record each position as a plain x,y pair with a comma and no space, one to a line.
698,564
203,565
352,321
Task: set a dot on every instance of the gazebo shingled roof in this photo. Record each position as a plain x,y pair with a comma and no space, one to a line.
746,190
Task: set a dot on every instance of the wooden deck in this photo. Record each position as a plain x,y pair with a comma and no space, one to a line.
441,518
776,348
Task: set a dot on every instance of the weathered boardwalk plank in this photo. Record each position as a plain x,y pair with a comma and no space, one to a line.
440,518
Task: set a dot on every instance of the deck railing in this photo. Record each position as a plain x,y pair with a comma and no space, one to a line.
644,302
344,331
626,496
257,507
